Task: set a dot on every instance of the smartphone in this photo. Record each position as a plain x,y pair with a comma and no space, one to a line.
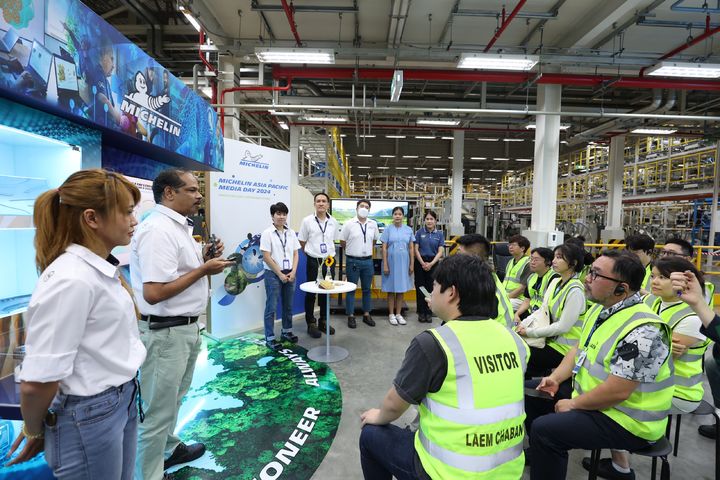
425,292
213,246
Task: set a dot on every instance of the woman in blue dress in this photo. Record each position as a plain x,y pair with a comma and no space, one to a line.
397,249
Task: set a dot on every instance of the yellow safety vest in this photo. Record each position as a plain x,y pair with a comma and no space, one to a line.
646,280
512,274
709,293
537,293
649,300
689,367
644,413
565,341
472,428
505,310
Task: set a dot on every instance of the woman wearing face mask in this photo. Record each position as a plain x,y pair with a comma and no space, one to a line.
429,244
566,306
77,391
397,249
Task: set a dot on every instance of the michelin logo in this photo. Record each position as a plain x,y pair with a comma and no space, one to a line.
145,107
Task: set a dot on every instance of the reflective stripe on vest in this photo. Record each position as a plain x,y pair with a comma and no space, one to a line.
464,437
505,310
644,412
537,295
469,463
649,300
709,293
646,279
564,342
689,367
512,274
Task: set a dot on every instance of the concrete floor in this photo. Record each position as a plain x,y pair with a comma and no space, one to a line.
367,374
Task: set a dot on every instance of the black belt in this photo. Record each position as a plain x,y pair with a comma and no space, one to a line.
157,323
369,257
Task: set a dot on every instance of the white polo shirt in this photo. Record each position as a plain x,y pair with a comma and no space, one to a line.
281,246
162,250
81,326
359,238
316,233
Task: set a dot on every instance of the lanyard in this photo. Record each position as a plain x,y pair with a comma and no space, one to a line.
283,243
592,331
364,231
322,229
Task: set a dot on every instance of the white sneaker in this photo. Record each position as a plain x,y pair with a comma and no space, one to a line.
392,319
400,320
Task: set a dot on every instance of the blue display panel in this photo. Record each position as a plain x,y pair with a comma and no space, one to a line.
60,54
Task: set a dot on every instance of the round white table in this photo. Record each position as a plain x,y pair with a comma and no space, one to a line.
328,354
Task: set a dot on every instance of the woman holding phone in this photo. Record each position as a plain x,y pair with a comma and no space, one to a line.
430,243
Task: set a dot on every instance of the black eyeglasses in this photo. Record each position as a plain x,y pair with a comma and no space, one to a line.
669,253
593,274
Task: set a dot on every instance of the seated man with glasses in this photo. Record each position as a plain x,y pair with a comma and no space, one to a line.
622,382
681,248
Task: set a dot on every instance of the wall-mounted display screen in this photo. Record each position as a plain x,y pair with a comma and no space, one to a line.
380,210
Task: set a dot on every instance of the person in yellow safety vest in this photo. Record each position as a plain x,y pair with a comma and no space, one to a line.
467,379
622,382
541,274
566,308
517,270
643,246
476,244
677,247
688,350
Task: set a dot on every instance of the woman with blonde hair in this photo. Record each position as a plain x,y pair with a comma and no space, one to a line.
83,348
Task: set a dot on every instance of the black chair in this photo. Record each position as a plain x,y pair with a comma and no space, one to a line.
660,449
703,409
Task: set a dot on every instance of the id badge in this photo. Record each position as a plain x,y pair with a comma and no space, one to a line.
286,264
323,248
579,362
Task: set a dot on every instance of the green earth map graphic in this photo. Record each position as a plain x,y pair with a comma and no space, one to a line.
17,13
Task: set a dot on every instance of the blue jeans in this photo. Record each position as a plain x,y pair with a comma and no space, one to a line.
387,451
274,287
94,437
363,270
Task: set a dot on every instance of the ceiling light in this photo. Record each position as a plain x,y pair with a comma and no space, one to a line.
448,138
496,61
476,169
366,136
401,168
295,55
284,125
409,156
439,169
513,139
382,168
437,121
478,158
387,156
488,139
431,156
420,168
190,18
425,137
363,166
396,85
654,131
501,159
685,69
324,118
494,170
490,178
427,177
523,160
364,155
532,126
394,136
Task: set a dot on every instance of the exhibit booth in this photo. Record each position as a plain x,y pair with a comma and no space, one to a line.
74,94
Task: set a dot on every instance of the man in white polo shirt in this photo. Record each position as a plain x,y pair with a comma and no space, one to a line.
357,238
317,238
169,278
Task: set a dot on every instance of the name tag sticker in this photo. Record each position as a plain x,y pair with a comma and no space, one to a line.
286,264
323,248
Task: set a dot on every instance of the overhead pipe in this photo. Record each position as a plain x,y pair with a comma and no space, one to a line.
248,88
590,81
704,9
289,13
709,32
504,24
387,126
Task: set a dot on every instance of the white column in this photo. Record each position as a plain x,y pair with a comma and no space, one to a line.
230,123
547,152
295,154
456,227
616,166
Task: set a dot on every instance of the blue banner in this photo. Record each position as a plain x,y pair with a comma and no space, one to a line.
62,54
